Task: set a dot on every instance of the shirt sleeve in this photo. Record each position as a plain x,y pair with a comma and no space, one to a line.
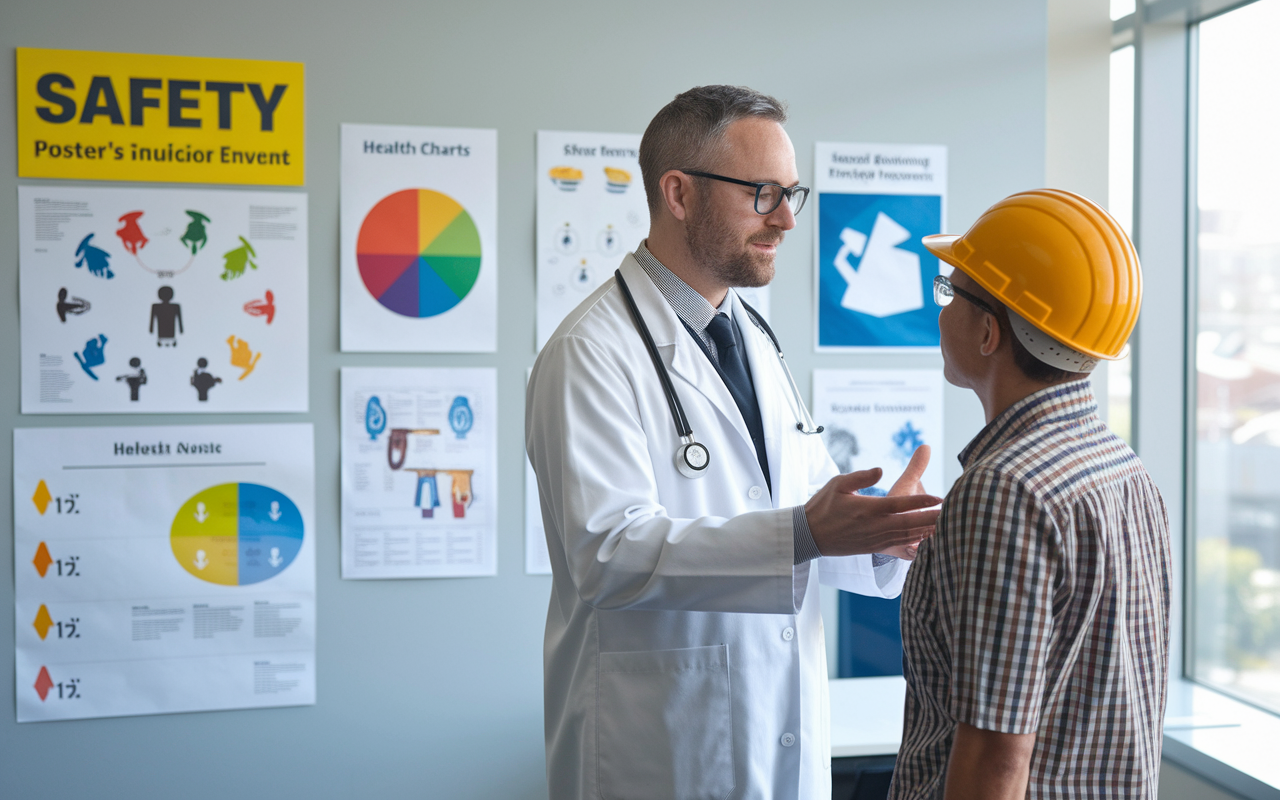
807,550
1003,545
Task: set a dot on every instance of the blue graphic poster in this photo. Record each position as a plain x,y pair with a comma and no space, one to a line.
874,277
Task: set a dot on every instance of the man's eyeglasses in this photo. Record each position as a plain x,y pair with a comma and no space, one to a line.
768,195
944,292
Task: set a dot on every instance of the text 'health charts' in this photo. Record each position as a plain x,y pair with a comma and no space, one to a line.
162,300
419,485
163,569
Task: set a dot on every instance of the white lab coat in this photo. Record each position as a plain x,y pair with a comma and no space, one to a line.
684,654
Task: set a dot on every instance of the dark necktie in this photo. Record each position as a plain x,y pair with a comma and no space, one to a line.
737,377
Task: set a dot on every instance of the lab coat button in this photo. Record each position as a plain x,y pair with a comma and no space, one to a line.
755,492
788,740
788,634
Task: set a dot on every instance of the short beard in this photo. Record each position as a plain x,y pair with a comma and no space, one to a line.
716,248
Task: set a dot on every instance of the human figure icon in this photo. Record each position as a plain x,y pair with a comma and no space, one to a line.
70,305
95,258
136,380
130,233
166,318
242,357
92,355
195,237
202,380
262,308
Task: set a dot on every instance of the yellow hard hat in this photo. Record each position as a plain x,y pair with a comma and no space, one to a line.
1060,261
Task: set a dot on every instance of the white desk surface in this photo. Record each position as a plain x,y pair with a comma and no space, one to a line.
1208,732
866,716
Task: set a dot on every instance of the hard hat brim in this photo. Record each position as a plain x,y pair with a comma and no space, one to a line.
942,245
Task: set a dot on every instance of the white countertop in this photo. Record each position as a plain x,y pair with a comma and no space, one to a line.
866,716
1229,742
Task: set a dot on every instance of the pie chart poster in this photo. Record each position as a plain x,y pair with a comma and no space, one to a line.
163,569
419,239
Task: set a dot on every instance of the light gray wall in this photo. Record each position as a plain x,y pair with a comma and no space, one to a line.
433,688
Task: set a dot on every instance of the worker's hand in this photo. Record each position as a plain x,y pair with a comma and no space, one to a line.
844,523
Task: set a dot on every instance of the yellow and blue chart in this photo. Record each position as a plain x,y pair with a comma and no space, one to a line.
236,534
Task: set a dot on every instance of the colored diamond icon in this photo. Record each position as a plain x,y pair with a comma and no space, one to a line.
43,621
42,559
42,497
43,683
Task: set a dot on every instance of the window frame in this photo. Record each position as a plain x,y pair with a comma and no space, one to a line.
1165,37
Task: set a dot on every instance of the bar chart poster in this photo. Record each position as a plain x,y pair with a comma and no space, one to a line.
163,569
419,472
419,239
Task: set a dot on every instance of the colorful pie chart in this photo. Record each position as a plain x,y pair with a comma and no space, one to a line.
418,252
236,534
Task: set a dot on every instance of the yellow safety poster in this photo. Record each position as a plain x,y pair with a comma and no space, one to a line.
134,117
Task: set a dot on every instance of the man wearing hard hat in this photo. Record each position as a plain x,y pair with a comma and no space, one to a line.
1035,622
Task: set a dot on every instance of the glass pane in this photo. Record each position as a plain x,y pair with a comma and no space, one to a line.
1120,198
1122,8
1237,357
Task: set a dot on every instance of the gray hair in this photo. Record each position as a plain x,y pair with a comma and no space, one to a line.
686,133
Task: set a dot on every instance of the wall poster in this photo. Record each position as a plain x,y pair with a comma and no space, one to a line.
141,301
877,418
419,472
419,239
163,569
874,203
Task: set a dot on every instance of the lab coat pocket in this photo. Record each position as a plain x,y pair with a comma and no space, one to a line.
664,725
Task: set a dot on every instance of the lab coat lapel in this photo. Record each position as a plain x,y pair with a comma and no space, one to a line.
679,351
766,374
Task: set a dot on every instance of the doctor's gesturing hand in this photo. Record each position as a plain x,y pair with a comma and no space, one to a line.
844,523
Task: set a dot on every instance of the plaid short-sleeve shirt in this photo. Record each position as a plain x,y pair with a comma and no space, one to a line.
1041,605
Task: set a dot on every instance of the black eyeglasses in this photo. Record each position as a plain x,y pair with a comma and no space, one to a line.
944,292
768,195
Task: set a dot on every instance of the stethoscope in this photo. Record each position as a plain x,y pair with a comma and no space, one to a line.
692,457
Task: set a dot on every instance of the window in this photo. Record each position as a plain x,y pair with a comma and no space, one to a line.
1235,485
1120,200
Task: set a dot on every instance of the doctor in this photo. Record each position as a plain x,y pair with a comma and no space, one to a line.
684,653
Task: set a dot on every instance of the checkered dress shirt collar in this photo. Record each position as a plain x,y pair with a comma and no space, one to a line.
692,308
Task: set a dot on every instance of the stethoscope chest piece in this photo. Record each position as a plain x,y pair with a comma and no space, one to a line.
692,459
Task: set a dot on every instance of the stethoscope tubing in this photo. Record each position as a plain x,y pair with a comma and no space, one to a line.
673,399
805,425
